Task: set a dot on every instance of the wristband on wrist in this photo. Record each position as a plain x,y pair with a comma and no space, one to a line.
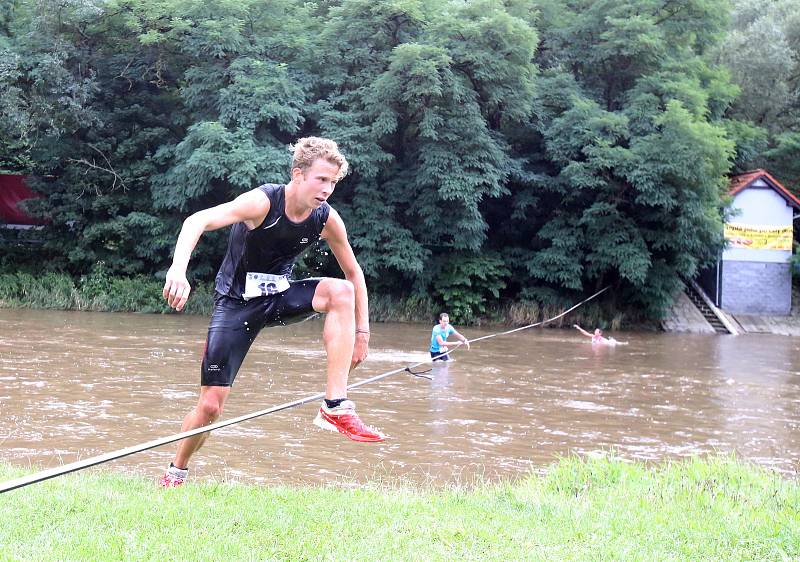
361,331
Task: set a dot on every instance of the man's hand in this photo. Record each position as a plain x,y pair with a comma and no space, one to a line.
176,288
360,350
466,342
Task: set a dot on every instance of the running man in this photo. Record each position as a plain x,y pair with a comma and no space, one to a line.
272,225
439,335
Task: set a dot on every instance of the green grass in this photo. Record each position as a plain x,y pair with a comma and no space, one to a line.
100,291
97,291
716,509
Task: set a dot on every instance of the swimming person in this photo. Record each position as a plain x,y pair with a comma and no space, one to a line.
271,226
439,335
598,337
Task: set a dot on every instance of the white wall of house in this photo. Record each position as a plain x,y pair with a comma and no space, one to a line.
756,281
759,205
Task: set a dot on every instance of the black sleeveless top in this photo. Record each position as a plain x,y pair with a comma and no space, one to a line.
271,247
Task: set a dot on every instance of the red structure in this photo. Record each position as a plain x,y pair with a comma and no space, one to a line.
12,191
743,181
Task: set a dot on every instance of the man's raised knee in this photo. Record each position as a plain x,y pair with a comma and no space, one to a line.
342,293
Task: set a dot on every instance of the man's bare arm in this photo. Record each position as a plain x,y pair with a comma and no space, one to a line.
461,338
582,331
335,234
249,208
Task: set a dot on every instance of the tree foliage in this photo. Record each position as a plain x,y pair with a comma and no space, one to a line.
524,149
762,51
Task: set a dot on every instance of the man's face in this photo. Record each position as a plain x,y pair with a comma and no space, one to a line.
598,332
317,183
444,321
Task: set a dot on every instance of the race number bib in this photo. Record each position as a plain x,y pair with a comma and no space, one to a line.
263,284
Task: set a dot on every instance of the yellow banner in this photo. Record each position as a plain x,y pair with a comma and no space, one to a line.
758,237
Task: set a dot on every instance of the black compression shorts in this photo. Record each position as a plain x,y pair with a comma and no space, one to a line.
235,323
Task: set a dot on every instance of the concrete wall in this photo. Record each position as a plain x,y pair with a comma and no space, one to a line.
683,316
756,288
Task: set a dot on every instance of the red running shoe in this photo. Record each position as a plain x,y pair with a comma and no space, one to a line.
173,477
343,418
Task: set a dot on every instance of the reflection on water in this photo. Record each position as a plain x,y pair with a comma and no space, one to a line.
77,384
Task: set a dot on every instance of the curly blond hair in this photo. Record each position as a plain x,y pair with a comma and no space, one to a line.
308,149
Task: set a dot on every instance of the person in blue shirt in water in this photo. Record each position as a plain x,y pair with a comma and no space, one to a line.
439,335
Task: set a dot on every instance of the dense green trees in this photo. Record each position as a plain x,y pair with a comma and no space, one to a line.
762,51
630,151
524,150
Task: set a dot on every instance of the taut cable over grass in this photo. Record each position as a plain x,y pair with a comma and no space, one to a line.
107,457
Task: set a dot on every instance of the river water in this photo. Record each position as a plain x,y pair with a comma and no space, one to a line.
78,384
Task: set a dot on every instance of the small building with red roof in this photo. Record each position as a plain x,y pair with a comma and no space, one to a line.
754,274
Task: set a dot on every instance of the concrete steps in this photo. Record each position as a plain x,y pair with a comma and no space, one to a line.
705,310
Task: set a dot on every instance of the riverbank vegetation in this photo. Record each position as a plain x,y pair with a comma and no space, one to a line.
99,291
503,153
716,509
96,291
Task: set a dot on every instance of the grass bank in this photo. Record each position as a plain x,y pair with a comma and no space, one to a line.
99,291
716,509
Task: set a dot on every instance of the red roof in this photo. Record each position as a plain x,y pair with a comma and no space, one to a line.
741,182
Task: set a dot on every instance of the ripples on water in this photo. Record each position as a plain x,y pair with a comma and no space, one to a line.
77,384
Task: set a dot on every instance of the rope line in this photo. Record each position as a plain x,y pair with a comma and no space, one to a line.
99,459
